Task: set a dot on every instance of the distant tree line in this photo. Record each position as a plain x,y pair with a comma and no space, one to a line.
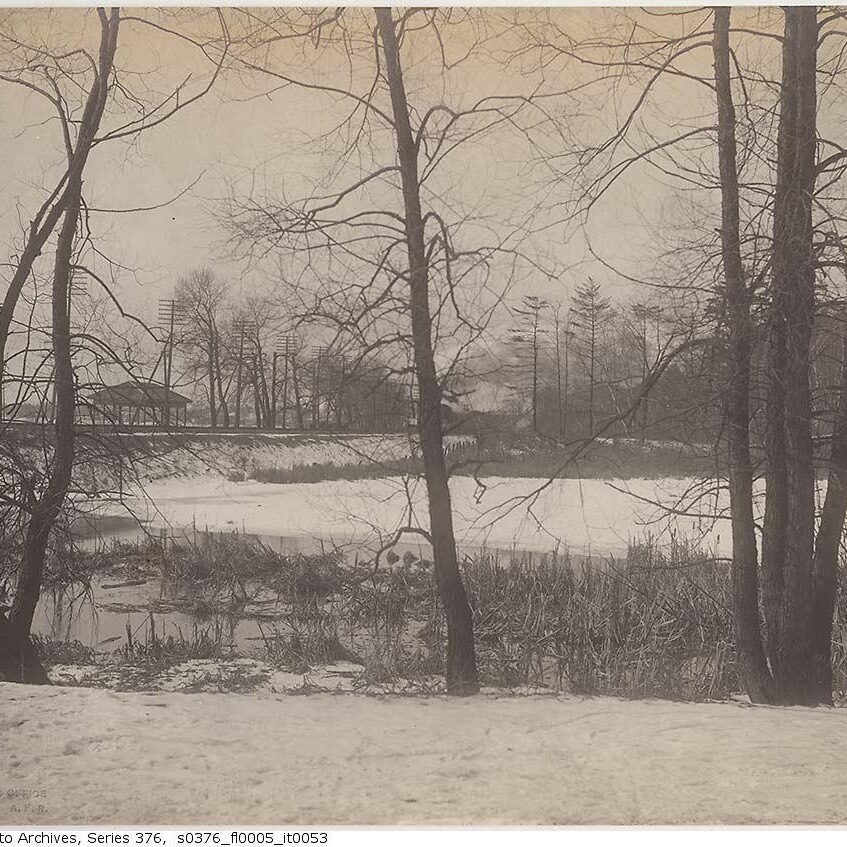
248,367
571,366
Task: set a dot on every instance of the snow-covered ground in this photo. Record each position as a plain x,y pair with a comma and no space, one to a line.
585,516
213,455
89,756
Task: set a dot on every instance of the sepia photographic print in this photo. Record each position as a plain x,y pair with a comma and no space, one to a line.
423,416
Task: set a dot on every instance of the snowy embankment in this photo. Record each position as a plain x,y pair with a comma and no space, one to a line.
216,455
89,756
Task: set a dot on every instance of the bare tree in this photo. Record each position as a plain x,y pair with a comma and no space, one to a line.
461,661
752,667
563,335
779,233
381,261
529,336
203,298
788,530
591,314
18,661
798,573
44,72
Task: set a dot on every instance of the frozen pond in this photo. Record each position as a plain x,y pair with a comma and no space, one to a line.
586,517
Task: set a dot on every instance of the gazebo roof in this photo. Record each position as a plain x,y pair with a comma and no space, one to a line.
140,394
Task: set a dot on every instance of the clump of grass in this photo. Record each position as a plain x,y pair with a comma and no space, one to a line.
151,650
655,624
620,459
611,459
317,472
392,662
54,652
231,570
302,642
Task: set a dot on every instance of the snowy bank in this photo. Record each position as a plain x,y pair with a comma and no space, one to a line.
90,756
214,455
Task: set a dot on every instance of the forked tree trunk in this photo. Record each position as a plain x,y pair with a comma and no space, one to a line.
19,660
461,659
753,671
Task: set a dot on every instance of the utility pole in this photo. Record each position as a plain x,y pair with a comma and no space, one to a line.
318,356
171,315
241,327
284,348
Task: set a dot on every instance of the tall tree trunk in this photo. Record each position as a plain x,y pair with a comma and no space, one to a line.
567,381
47,508
238,368
591,364
266,391
645,365
257,393
316,392
223,406
827,543
298,400
26,665
559,415
213,409
535,377
461,658
788,600
753,671
339,395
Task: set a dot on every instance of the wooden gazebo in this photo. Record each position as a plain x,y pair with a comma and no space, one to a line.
138,403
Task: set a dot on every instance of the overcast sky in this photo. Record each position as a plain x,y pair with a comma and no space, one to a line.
245,136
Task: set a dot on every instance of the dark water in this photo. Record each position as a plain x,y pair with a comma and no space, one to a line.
111,613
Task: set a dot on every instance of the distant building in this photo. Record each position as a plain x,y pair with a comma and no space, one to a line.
137,403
